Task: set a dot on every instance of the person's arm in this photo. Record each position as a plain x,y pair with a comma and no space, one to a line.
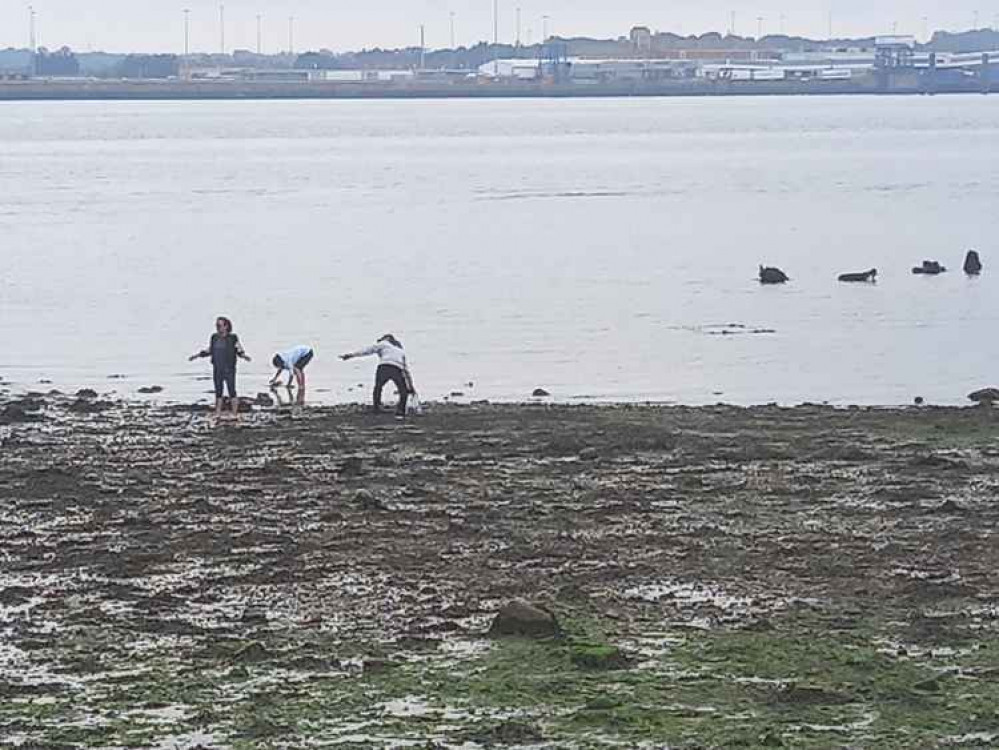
277,376
204,352
366,352
240,353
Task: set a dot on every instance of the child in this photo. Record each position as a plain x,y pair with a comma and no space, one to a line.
224,349
294,361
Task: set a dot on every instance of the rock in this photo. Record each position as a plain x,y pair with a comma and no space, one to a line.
457,394
352,466
117,377
598,656
251,653
866,276
264,399
931,685
771,275
985,396
379,666
367,501
19,412
86,406
540,393
919,401
810,695
929,268
520,619
86,393
149,390
948,507
972,263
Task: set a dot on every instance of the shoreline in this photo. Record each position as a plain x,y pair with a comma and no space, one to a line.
151,90
718,574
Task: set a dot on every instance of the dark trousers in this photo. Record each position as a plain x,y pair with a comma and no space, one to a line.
224,377
383,376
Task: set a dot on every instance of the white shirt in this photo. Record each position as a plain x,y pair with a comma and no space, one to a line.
291,357
388,354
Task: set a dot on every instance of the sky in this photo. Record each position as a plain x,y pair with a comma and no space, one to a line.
158,25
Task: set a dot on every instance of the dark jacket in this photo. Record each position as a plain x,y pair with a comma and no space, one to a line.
231,351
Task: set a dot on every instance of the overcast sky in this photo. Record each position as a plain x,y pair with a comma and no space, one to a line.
157,25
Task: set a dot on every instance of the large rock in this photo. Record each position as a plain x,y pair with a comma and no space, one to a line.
972,263
520,619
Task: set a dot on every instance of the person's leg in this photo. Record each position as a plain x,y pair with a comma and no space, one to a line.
230,382
382,376
399,378
217,376
300,377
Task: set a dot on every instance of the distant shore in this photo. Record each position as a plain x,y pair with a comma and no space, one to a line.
69,90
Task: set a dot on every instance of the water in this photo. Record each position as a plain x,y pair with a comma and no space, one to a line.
579,245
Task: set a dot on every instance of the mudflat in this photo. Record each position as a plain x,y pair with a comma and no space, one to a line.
721,577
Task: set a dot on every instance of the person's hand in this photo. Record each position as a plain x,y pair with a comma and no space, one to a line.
248,359
192,358
344,357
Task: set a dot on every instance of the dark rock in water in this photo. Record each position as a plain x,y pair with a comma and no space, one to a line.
919,401
540,393
264,399
985,396
866,276
929,268
149,390
972,263
520,619
117,376
771,275
44,381
86,393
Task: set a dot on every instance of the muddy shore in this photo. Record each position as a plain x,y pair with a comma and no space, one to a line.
723,577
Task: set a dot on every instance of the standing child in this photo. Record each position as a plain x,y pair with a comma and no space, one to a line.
392,367
224,349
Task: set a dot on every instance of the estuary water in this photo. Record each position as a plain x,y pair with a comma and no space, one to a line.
601,249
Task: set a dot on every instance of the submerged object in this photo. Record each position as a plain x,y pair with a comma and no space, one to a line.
771,275
870,276
972,263
929,268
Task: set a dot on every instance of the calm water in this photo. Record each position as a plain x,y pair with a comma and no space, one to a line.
582,246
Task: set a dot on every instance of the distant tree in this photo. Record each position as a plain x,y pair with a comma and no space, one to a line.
59,63
149,66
